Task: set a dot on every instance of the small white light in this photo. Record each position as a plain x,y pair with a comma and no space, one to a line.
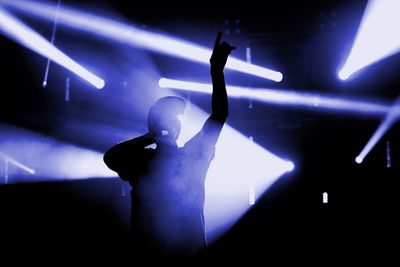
343,75
180,117
252,195
359,159
325,197
290,166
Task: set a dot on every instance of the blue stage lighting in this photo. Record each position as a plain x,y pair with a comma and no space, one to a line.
25,36
285,97
289,166
239,164
392,117
16,163
377,36
47,158
131,35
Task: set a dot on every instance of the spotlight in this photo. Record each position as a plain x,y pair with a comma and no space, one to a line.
134,36
23,35
343,75
240,164
48,158
391,117
377,36
284,97
289,166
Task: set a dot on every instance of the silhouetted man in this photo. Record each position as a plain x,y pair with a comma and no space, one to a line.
167,182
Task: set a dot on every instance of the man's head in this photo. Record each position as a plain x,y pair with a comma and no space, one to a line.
163,119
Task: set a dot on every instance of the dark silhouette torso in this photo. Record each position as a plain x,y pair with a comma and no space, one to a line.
168,191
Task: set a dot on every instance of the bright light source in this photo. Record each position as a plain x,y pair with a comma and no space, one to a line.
289,166
359,159
284,97
134,36
325,197
377,36
344,75
22,34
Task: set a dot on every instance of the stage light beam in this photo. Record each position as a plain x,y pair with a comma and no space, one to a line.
17,31
239,163
392,117
131,35
13,161
285,97
48,158
376,38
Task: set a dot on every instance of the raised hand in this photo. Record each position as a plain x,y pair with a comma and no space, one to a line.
220,53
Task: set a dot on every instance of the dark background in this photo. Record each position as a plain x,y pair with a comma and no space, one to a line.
307,41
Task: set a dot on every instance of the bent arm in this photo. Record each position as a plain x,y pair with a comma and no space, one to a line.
120,156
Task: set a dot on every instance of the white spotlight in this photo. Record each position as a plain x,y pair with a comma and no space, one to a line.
392,116
241,171
284,97
377,36
289,166
22,34
131,35
343,75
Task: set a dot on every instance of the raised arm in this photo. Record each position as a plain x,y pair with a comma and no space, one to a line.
219,101
209,133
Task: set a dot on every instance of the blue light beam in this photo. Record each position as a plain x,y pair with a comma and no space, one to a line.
238,164
377,36
131,35
15,162
14,29
48,158
392,116
285,97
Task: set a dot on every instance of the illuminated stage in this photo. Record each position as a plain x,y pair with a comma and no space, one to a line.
306,165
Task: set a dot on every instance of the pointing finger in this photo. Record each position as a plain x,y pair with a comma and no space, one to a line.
217,40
